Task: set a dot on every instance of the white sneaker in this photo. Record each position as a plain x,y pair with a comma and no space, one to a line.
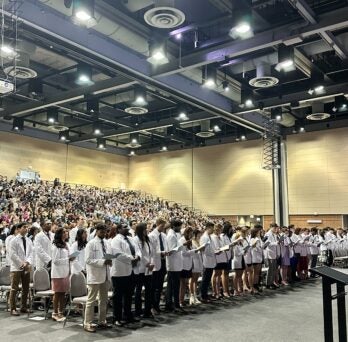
196,301
192,300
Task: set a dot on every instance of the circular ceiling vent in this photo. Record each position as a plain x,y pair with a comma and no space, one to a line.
164,17
133,145
136,110
318,116
57,128
20,72
205,134
264,82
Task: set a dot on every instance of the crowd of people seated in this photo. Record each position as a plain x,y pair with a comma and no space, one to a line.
133,243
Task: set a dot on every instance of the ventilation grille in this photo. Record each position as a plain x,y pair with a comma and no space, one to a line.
57,128
205,134
164,17
20,72
133,145
136,110
264,82
318,116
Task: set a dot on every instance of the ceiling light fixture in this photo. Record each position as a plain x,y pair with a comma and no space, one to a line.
101,143
52,116
97,129
131,153
225,86
139,97
216,129
164,149
18,124
157,53
242,19
83,12
286,59
84,75
64,136
209,75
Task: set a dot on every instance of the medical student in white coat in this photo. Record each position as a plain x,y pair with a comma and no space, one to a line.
21,261
238,263
123,276
43,247
209,261
197,266
174,266
314,248
98,279
272,252
144,270
79,264
12,235
256,254
60,272
160,246
226,241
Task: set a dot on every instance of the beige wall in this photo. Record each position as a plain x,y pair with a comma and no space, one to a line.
318,172
72,164
227,179
333,221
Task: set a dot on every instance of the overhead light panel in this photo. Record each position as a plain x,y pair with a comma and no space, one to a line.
84,75
18,124
83,12
286,59
157,53
52,116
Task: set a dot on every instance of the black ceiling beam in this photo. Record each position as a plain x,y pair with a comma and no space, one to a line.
288,34
146,126
308,14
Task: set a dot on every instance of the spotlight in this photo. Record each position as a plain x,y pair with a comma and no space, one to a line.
158,53
318,90
225,86
97,129
7,51
248,103
18,124
131,153
139,97
182,116
84,75
286,59
216,129
276,114
301,129
209,76
178,36
241,17
101,143
340,104
83,12
64,136
243,137
164,149
52,116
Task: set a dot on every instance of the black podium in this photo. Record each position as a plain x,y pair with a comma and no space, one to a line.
329,277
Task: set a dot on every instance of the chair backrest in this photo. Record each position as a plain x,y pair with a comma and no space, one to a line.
78,286
41,280
5,278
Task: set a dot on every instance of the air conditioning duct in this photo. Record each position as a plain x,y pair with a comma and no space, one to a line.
205,132
318,112
22,68
264,78
164,15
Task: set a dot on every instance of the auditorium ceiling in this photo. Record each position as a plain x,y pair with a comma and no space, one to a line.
144,76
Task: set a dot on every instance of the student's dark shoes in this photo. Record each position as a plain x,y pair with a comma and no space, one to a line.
14,313
104,325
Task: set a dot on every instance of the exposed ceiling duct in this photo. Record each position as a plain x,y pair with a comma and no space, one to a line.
164,15
318,112
205,132
264,78
22,69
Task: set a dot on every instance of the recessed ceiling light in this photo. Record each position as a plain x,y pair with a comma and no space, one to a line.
243,28
83,15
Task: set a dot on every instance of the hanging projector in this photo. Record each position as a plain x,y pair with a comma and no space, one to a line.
6,87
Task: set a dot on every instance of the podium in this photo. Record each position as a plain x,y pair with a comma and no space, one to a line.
330,277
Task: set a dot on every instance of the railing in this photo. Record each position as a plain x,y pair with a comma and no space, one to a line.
329,277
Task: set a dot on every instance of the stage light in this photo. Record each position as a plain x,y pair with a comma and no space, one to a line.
101,143
301,129
249,103
18,124
131,153
243,137
164,149
216,129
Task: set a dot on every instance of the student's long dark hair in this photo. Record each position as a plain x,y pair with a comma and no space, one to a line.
58,238
140,230
227,229
81,242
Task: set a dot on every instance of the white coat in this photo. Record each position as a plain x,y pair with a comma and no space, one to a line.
226,241
7,248
209,259
238,252
17,255
314,240
272,250
79,264
187,256
197,261
43,250
147,253
122,266
257,251
218,243
60,262
97,271
174,260
157,258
